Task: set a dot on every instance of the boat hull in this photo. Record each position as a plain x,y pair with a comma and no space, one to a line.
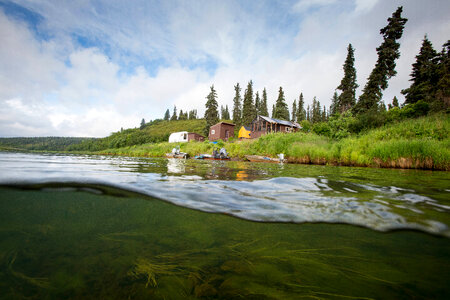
181,155
260,158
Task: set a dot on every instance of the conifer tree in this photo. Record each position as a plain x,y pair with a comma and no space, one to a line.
263,111
193,114
384,69
301,113
316,114
273,111
324,114
257,104
334,107
226,113
248,107
308,114
174,116
443,73
281,108
294,111
211,113
182,115
424,75
142,124
395,102
167,115
237,108
348,85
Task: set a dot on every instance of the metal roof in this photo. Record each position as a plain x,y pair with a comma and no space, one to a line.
283,122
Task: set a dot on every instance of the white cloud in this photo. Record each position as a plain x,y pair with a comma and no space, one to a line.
59,87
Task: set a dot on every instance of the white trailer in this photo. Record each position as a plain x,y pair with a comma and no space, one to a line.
179,137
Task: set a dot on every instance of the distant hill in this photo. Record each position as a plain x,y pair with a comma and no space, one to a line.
41,143
153,132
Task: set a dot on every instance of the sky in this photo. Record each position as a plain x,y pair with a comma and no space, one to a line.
89,68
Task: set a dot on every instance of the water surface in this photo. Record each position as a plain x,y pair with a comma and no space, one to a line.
85,227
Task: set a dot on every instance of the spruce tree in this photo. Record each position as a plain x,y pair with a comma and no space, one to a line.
424,76
294,111
384,69
174,116
395,102
211,113
273,111
281,108
142,124
348,85
257,104
167,115
182,116
222,112
334,107
226,113
443,73
308,114
301,113
237,109
324,114
263,107
248,107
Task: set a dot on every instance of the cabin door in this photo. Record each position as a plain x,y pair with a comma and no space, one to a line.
227,134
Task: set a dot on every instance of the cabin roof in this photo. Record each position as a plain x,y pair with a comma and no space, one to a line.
227,123
282,122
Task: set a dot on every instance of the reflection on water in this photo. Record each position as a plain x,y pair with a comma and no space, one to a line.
380,199
65,243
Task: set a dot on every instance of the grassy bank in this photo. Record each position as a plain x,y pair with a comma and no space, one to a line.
422,143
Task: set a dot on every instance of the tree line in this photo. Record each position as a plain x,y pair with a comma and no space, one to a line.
429,91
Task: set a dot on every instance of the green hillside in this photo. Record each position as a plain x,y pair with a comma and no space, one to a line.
41,143
153,132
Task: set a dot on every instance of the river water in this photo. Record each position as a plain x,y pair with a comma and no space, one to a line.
98,226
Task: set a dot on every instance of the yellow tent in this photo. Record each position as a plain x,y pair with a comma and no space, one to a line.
244,133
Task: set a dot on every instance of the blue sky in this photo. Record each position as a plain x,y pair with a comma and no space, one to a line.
88,68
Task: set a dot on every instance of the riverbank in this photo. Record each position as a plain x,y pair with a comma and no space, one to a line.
422,143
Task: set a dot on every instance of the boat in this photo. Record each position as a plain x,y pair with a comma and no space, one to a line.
177,155
260,158
211,157
217,155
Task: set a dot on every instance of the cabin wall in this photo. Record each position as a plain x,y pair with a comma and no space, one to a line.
195,137
219,131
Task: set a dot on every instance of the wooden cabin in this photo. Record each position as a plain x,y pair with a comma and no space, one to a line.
222,130
263,125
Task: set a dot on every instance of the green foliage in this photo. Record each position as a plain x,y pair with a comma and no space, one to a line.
167,115
237,107
42,143
301,112
281,108
384,69
263,111
306,125
142,124
322,128
174,115
248,107
211,113
348,85
424,75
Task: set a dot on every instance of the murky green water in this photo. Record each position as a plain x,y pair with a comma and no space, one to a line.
68,244
62,235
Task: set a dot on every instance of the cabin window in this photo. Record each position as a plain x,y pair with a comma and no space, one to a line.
213,131
185,136
288,129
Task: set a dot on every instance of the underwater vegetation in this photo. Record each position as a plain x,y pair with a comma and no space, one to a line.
78,245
